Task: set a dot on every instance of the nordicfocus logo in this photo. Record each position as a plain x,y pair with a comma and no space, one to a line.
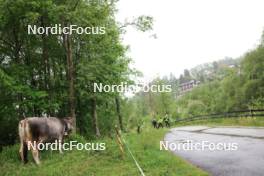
198,146
59,29
124,87
58,145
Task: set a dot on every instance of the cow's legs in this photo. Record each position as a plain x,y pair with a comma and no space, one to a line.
35,154
23,146
60,146
23,152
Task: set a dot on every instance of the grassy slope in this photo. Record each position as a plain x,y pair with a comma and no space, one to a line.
242,121
145,147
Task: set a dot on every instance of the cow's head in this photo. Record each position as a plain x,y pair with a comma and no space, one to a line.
68,125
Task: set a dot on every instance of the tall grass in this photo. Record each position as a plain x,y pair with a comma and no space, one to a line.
109,162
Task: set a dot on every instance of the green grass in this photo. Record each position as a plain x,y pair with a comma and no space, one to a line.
145,147
241,121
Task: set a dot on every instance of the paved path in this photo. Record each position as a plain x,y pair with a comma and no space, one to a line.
247,160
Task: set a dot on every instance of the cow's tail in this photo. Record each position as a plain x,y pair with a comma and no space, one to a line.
24,135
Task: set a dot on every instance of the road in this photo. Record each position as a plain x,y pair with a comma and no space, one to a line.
233,151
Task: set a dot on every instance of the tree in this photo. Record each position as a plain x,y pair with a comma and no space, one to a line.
53,74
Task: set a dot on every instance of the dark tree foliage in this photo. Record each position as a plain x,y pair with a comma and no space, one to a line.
52,74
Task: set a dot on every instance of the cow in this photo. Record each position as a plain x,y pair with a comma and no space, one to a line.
40,130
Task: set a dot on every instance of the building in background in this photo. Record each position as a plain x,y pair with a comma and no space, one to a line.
187,86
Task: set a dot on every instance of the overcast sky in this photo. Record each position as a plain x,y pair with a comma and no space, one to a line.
191,32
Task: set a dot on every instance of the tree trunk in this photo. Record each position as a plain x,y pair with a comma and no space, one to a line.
45,56
94,117
120,119
46,66
70,70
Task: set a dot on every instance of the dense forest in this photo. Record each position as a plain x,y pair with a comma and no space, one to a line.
52,74
225,85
